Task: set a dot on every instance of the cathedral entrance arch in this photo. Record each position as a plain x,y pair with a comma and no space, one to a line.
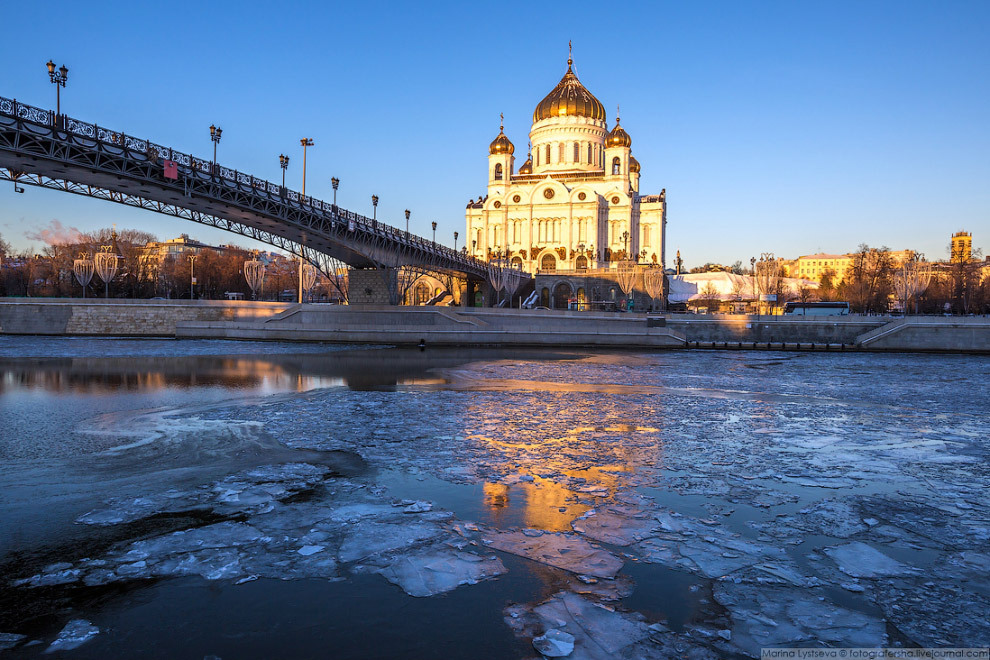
562,293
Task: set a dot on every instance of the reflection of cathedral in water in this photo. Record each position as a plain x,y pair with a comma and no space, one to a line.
575,203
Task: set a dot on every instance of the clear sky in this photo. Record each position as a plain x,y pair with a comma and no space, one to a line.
785,127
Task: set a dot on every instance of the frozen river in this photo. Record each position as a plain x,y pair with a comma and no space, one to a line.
188,499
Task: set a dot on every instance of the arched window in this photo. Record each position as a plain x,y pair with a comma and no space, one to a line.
581,263
646,236
498,171
537,157
560,152
548,262
548,156
422,294
577,153
589,153
616,165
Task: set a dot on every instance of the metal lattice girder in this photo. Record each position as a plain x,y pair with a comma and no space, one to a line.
62,153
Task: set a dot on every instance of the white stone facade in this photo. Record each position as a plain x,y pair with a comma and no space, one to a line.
575,203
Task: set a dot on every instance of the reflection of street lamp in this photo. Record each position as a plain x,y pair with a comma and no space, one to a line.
215,136
58,79
283,160
192,280
434,231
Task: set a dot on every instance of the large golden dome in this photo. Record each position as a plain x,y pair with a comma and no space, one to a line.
569,98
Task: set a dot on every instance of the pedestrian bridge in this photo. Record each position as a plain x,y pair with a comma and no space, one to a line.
39,148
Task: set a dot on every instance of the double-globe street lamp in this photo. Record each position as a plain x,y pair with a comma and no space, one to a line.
215,136
283,161
58,79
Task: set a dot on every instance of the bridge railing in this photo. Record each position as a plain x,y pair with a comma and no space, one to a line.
192,166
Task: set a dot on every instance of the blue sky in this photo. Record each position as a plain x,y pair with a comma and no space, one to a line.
785,127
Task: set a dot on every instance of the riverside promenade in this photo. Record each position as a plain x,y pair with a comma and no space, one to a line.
460,326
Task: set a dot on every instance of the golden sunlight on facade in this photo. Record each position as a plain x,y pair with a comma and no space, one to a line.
575,203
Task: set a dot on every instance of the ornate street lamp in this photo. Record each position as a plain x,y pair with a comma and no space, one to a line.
334,181
434,223
407,221
254,273
455,241
625,245
374,204
305,142
106,265
58,79
83,268
215,136
283,160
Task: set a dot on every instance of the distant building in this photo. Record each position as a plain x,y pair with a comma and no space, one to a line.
813,266
962,247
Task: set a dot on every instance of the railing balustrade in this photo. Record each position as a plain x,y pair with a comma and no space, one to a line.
191,165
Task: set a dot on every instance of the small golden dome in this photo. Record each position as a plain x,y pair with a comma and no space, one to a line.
501,145
633,164
618,137
569,98
527,167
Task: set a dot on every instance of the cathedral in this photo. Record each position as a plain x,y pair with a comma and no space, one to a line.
575,203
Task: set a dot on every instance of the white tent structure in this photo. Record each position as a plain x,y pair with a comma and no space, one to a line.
729,286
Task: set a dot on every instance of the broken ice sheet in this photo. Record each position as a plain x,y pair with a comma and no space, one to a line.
782,616
560,550
600,633
864,561
75,633
610,526
432,571
10,640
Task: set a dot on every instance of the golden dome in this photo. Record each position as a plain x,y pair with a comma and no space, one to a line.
501,145
527,167
618,137
569,98
633,164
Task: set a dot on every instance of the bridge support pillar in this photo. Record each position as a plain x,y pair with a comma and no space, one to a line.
367,286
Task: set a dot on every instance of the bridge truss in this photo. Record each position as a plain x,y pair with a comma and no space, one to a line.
61,153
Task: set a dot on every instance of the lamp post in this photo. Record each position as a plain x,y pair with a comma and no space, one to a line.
752,273
434,223
455,241
407,221
58,79
334,181
192,279
374,207
283,161
625,245
215,136
305,142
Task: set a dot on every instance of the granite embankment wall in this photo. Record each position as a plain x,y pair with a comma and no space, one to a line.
454,326
145,318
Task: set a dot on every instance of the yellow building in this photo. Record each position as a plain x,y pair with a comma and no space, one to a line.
813,266
962,247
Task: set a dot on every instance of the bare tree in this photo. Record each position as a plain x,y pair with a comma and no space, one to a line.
710,295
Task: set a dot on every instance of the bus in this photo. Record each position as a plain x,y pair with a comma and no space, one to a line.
816,309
